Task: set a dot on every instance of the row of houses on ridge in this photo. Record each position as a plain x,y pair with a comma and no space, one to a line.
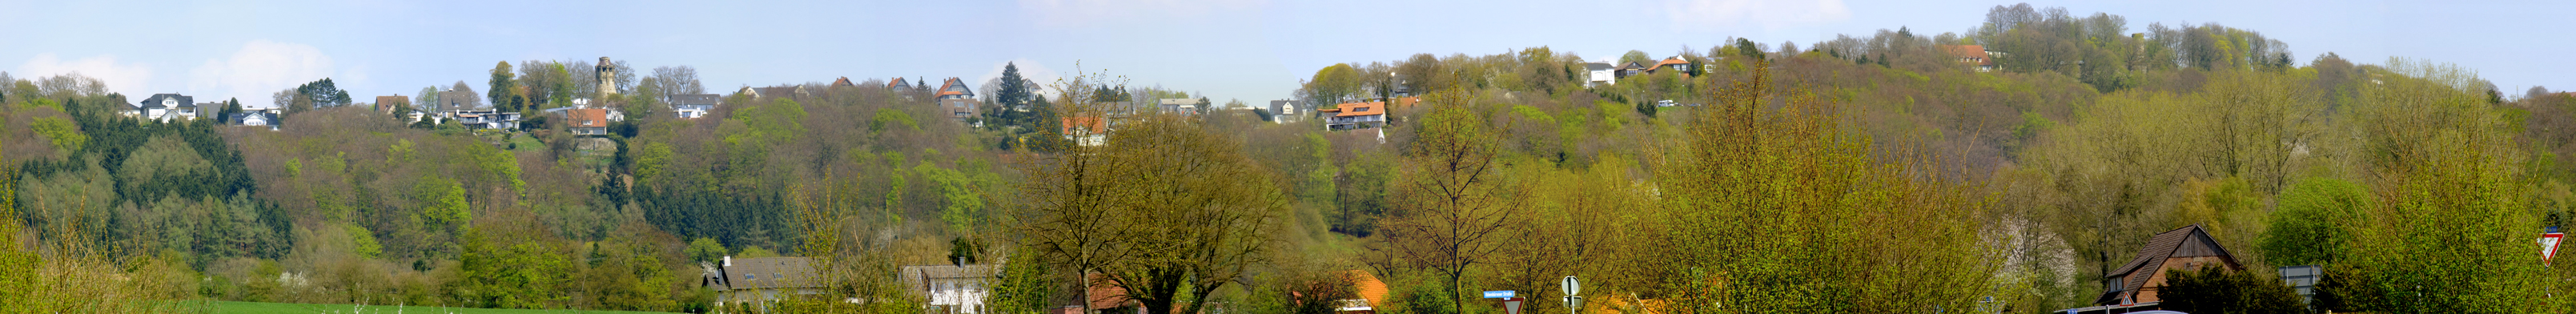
168,108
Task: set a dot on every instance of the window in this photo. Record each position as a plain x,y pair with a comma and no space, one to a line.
750,277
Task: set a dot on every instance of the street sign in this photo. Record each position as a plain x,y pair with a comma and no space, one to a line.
1573,287
1512,306
2549,244
1498,294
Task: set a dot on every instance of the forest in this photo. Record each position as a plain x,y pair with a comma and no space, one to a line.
1870,173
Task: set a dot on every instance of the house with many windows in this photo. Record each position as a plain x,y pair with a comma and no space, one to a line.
693,106
957,99
756,283
1601,73
1971,54
164,108
951,289
1361,115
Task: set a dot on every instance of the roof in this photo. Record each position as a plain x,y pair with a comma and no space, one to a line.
1964,51
1968,52
959,85
1093,122
1671,61
696,99
395,99
2188,241
1366,286
918,278
767,272
1360,109
898,83
588,117
844,81
155,101
778,91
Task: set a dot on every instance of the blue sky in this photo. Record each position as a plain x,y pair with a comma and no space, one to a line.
1225,49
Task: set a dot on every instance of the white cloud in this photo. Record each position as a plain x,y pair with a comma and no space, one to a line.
1768,14
1029,69
127,78
1080,12
260,68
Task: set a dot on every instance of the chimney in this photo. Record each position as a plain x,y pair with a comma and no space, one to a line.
728,261
960,261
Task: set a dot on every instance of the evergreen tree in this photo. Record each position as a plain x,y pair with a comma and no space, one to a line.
1011,99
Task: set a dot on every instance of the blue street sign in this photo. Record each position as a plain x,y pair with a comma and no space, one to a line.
1498,294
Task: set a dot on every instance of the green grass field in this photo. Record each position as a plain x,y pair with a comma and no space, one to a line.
292,308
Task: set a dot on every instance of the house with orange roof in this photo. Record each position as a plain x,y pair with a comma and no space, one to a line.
955,97
587,121
1353,116
1086,131
1371,293
1971,54
1675,63
898,84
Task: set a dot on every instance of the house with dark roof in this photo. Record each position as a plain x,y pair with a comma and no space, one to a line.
692,106
266,118
951,289
1285,111
2132,287
1972,55
165,108
758,282
1626,70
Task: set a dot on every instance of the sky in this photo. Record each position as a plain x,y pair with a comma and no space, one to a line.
1251,50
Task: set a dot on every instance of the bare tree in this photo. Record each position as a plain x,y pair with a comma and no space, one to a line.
677,80
1453,201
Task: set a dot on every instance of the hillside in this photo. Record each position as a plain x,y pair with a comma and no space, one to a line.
1879,173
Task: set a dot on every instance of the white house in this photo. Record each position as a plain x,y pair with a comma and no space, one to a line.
692,106
1603,73
165,108
952,289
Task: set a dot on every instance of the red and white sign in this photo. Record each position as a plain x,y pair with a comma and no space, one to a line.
2549,245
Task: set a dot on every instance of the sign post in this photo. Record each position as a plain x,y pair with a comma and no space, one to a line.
1573,295
1511,303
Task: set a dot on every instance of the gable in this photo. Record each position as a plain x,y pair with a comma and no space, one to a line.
2188,241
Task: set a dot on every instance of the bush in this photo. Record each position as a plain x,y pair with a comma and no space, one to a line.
2215,289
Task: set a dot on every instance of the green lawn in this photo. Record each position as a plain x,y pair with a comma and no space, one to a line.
291,308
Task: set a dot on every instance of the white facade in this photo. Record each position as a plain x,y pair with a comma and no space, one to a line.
1602,73
952,289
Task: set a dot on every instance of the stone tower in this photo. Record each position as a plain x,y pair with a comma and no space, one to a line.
607,77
